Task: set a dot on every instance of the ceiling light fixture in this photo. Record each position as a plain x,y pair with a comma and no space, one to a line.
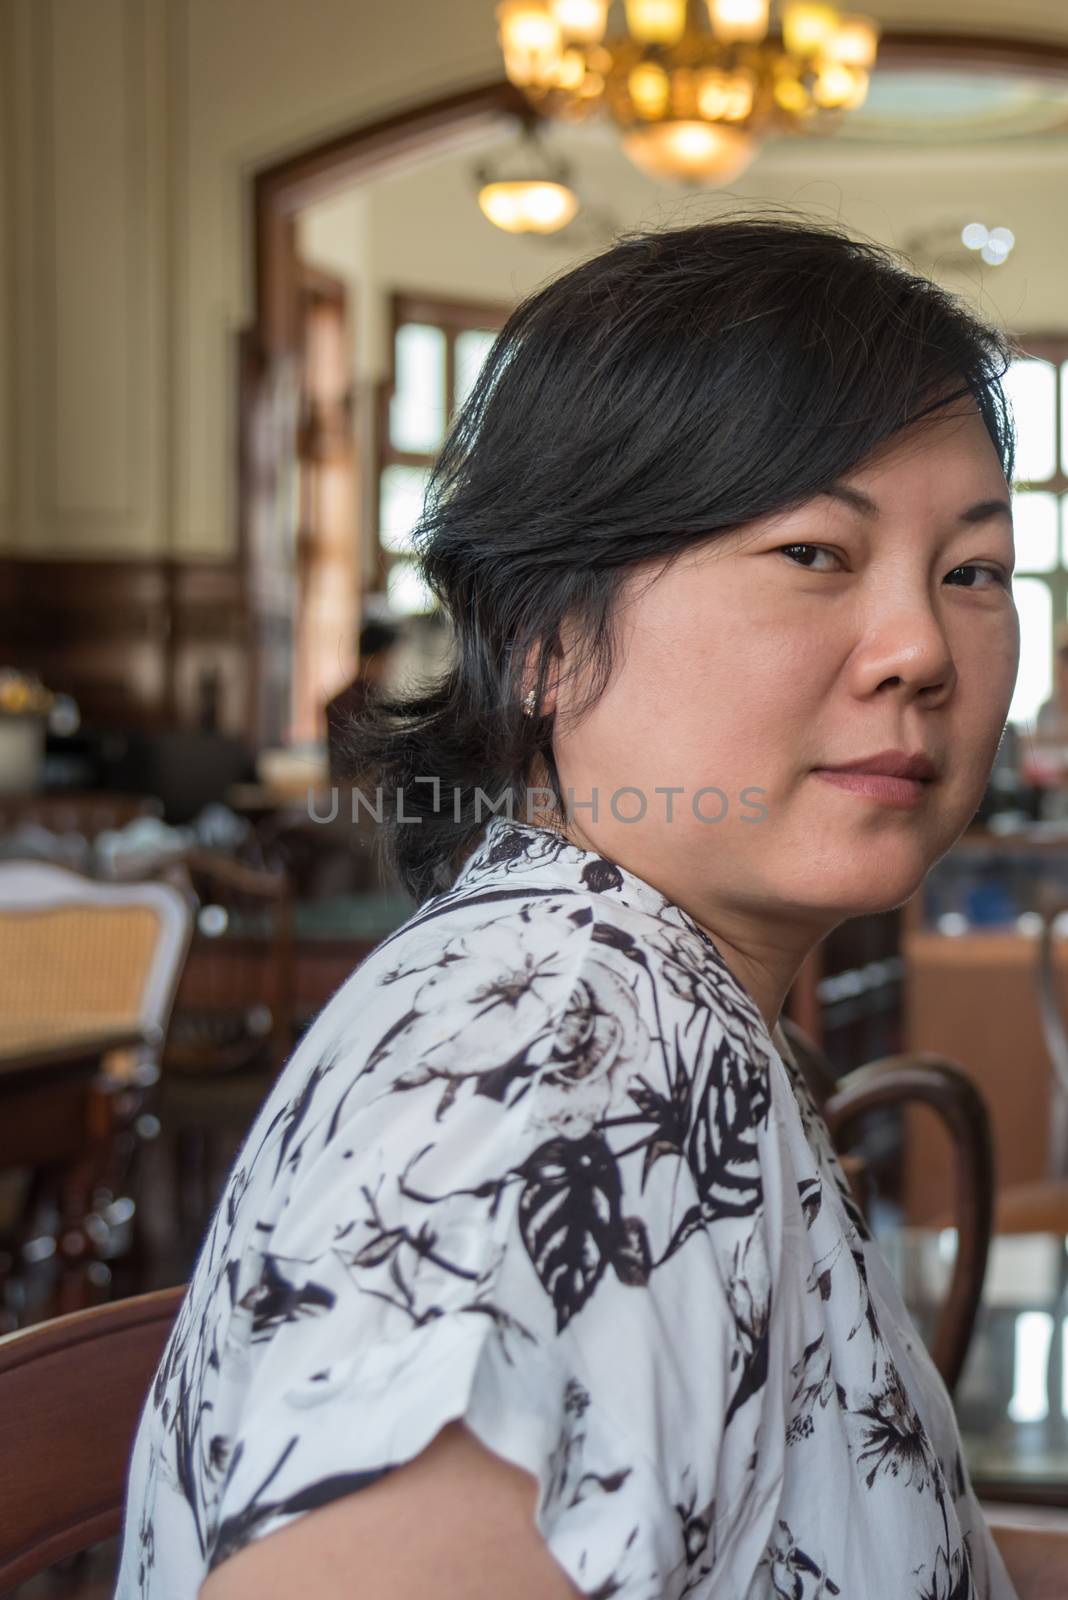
692,88
955,244
526,191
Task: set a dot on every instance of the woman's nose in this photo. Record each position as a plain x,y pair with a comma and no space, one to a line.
906,648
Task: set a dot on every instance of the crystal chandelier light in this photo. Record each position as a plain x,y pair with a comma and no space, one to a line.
692,87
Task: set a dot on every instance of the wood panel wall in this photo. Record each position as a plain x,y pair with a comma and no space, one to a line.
136,641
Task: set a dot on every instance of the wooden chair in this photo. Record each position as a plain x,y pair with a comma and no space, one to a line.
231,1029
1041,1206
926,1078
88,973
71,1395
78,956
1052,905
1033,1542
71,1392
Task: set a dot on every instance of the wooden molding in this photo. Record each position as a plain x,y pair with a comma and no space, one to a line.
973,52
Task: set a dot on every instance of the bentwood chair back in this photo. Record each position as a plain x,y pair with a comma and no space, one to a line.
921,1077
71,1392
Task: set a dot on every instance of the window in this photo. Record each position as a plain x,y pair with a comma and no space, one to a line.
438,350
1037,387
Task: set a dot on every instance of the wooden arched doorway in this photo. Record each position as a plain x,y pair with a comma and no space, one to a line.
281,435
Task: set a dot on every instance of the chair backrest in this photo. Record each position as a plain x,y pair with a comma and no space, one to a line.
921,1077
1039,1207
1052,906
71,1392
81,957
1033,1541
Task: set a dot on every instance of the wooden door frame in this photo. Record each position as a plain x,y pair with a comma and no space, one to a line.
279,192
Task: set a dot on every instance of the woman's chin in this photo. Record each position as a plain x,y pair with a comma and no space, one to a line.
865,889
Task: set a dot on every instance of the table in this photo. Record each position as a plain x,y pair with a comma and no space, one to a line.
1012,1398
58,1117
45,1092
32,1044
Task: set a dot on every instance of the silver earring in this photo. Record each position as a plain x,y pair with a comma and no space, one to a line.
528,703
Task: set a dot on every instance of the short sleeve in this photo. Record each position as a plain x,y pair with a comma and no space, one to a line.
518,1264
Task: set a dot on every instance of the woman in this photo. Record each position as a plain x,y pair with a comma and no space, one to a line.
537,1275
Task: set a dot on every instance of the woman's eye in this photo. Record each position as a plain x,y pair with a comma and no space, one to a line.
817,549
994,574
991,572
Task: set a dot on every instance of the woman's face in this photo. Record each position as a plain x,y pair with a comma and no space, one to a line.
805,640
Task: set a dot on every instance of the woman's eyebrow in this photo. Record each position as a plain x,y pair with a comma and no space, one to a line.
982,511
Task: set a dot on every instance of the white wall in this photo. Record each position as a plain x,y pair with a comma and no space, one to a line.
7,299
84,237
129,131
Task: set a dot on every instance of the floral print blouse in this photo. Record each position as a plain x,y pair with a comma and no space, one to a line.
540,1164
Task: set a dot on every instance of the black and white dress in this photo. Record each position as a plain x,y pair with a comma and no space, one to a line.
540,1164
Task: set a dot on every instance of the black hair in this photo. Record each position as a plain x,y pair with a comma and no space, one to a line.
681,383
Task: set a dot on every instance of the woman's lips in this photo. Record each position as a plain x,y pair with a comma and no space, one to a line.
902,792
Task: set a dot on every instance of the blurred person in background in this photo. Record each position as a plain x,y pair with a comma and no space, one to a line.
378,640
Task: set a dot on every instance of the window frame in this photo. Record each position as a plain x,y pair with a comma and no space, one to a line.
452,317
1051,347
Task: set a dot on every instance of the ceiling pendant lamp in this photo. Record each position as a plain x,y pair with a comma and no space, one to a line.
525,191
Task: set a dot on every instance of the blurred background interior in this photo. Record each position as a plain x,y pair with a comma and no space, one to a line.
253,253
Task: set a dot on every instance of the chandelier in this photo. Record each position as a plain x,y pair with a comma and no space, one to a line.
693,88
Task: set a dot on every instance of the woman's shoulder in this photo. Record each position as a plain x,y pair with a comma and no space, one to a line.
522,907
507,963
